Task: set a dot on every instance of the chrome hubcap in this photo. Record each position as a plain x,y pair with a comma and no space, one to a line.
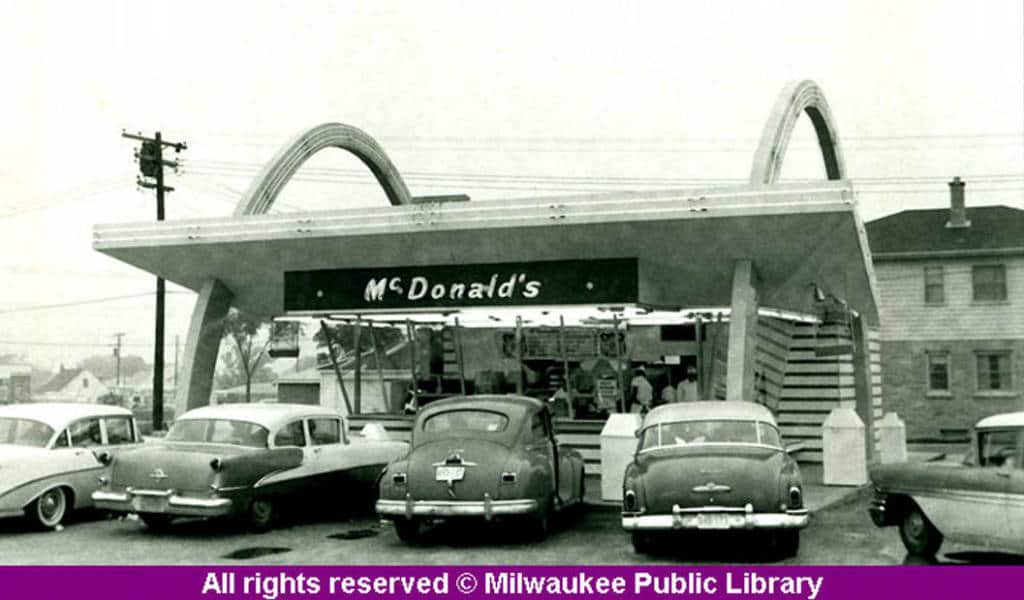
51,504
915,525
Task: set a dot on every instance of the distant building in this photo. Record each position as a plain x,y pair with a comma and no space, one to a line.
951,302
71,385
15,384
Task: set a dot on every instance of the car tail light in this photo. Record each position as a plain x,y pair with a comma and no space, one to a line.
508,477
398,478
629,500
796,497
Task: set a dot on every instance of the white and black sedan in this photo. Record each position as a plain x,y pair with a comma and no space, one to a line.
247,460
50,456
979,502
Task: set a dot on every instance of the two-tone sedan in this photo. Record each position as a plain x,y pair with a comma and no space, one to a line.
482,457
49,456
979,502
712,466
250,461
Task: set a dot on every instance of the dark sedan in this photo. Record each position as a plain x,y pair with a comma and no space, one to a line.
481,457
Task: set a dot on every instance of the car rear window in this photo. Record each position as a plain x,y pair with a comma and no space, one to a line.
466,420
219,431
24,432
723,431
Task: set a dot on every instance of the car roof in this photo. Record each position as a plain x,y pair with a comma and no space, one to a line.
708,409
59,414
1013,419
269,415
511,404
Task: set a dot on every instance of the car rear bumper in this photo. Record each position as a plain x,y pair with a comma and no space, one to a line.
877,510
486,508
162,502
715,518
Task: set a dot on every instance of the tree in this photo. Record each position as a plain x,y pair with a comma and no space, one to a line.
248,338
104,366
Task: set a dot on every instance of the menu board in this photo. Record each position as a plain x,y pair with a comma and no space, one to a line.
545,343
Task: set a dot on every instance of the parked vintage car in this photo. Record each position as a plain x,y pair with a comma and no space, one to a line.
49,461
712,466
247,460
979,502
482,456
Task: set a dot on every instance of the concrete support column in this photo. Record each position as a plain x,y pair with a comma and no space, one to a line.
862,383
739,383
195,382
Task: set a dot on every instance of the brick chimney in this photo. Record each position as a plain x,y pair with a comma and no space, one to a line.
957,210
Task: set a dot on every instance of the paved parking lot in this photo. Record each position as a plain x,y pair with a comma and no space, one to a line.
841,534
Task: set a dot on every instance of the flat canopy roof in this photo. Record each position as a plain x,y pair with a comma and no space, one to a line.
684,243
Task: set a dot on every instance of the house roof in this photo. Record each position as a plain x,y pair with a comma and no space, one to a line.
919,233
58,381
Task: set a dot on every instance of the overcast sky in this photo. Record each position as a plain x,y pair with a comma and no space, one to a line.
496,100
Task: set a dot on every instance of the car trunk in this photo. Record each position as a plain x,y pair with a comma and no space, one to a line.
182,467
711,476
480,462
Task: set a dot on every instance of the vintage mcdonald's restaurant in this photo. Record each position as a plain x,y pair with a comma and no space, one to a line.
762,292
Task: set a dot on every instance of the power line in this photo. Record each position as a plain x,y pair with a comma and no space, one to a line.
37,307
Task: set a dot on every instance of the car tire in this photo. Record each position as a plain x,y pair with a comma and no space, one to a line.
155,521
643,543
407,530
918,534
787,543
49,509
262,514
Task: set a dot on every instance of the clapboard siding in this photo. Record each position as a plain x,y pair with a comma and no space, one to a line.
905,316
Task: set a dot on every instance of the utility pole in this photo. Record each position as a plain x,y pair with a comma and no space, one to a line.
117,355
151,164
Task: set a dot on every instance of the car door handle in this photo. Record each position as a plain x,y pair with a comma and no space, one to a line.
1005,474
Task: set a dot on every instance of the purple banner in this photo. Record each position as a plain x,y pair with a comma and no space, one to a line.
506,583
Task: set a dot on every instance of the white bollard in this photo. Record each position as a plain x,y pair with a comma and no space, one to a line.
892,443
844,449
618,445
374,431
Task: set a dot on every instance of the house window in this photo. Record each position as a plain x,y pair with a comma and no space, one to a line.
938,372
934,285
994,371
989,282
85,383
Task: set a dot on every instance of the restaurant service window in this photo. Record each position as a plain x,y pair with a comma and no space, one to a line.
994,371
934,285
938,373
989,283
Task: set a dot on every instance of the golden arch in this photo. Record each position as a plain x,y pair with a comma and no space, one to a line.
796,98
279,170
207,325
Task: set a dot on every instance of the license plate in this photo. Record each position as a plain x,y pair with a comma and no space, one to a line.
713,521
450,473
148,504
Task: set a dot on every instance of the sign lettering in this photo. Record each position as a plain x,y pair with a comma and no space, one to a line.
548,283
